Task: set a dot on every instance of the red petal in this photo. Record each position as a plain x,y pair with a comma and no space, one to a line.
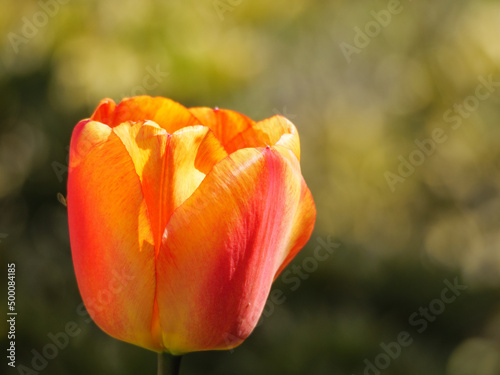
223,247
111,240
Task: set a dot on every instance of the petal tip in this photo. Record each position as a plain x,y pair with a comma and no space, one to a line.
86,135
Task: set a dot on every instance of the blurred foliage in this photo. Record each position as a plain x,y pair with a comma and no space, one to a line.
358,119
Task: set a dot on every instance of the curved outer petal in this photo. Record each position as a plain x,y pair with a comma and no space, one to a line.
224,246
305,215
111,239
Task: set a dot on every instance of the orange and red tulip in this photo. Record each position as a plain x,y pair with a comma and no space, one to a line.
199,208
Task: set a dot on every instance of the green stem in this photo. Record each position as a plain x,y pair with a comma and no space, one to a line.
175,364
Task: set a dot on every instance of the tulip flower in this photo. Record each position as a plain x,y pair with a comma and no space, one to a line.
181,219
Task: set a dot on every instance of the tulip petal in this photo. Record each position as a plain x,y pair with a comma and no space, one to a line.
111,239
104,112
305,215
276,130
146,145
168,114
223,246
225,124
193,151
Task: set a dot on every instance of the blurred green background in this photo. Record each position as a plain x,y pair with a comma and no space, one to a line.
397,105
